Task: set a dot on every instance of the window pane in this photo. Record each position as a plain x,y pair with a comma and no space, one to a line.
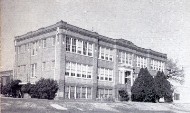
90,49
78,70
72,92
79,47
73,69
89,75
89,92
66,91
68,43
84,71
102,53
83,92
73,45
84,48
67,69
78,92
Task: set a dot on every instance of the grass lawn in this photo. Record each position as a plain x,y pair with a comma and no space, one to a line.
15,105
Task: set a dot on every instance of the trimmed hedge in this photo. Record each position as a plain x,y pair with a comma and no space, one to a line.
43,89
124,95
12,89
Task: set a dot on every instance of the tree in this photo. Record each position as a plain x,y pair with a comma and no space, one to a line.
175,73
163,87
143,87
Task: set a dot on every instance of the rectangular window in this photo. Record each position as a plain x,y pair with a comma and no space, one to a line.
79,47
33,48
110,75
89,93
84,71
102,52
73,69
72,92
151,64
106,54
106,74
78,70
90,53
110,55
33,70
44,43
53,41
130,59
68,43
89,74
101,93
84,48
106,93
123,57
73,45
78,92
101,74
127,58
110,92
83,92
67,73
67,92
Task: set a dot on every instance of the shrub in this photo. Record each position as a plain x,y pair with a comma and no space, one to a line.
12,89
26,88
6,90
124,95
43,89
143,87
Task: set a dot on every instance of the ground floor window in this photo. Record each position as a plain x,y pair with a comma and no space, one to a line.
67,92
104,93
76,92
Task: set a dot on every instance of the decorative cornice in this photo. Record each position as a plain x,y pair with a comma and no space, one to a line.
68,27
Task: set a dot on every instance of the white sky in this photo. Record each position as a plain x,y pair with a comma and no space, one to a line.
161,25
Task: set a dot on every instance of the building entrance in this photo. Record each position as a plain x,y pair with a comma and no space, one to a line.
128,77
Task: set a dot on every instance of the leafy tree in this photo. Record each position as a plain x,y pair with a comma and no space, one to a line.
163,87
175,73
143,87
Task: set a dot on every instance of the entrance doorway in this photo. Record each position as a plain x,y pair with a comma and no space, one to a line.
128,77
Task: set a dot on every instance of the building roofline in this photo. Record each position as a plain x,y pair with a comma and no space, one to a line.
65,25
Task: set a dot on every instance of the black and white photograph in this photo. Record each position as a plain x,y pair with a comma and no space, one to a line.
95,56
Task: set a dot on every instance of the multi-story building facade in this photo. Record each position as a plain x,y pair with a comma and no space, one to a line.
85,64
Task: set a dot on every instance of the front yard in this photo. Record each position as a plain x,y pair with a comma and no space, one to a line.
15,105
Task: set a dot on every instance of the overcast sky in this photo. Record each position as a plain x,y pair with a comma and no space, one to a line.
161,25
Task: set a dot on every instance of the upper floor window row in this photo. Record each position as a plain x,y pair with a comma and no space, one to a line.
157,65
79,46
125,58
35,45
105,74
142,62
78,70
105,53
